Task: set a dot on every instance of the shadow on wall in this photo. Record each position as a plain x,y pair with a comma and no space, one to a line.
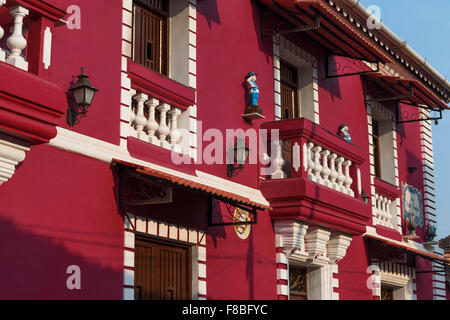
209,10
35,267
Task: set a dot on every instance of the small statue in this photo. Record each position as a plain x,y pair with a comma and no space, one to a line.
343,132
253,90
431,232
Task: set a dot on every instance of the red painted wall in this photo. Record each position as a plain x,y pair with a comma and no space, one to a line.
59,210
353,274
97,47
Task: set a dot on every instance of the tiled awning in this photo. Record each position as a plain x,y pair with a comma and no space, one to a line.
410,249
192,184
336,34
415,92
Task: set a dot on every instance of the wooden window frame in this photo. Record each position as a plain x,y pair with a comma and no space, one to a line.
298,293
142,237
165,42
377,148
290,85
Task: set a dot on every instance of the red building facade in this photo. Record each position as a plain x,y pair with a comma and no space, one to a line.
134,200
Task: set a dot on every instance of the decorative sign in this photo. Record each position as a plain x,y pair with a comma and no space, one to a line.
412,205
137,190
242,230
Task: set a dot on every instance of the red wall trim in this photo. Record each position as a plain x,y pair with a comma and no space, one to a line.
160,87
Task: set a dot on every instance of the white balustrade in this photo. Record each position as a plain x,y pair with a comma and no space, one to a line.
155,122
2,33
329,169
16,42
278,162
383,213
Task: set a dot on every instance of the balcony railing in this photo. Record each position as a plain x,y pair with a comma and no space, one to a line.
310,151
385,204
314,176
16,42
155,121
159,112
26,33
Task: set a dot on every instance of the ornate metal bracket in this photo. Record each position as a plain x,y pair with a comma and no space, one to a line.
136,190
352,68
417,116
217,218
272,24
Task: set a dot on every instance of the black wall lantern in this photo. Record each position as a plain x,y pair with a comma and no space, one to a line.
83,93
240,156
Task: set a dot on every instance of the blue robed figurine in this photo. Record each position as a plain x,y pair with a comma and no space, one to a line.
253,90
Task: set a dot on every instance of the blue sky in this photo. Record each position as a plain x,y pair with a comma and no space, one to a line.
425,25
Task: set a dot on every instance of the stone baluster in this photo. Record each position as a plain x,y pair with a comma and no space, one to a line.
152,125
341,177
2,33
388,213
278,162
334,174
140,121
348,180
132,110
174,134
163,130
317,166
310,161
326,169
17,42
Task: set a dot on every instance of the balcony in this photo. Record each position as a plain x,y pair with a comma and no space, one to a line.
386,205
30,107
159,112
315,176
26,33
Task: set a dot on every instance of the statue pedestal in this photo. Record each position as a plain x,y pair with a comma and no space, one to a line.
253,112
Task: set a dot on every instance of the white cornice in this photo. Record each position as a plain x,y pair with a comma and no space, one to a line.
103,151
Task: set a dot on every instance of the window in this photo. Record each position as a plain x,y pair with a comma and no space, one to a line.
151,32
162,270
376,148
387,293
298,288
298,87
289,92
383,146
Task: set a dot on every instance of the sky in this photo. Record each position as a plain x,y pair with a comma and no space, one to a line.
425,25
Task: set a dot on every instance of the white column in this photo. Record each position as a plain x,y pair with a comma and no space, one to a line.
152,126
2,33
140,120
310,161
317,166
16,42
334,174
174,134
341,177
132,112
326,170
163,130
348,180
278,162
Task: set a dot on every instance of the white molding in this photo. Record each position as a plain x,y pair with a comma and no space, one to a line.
337,247
71,141
12,152
290,236
47,50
